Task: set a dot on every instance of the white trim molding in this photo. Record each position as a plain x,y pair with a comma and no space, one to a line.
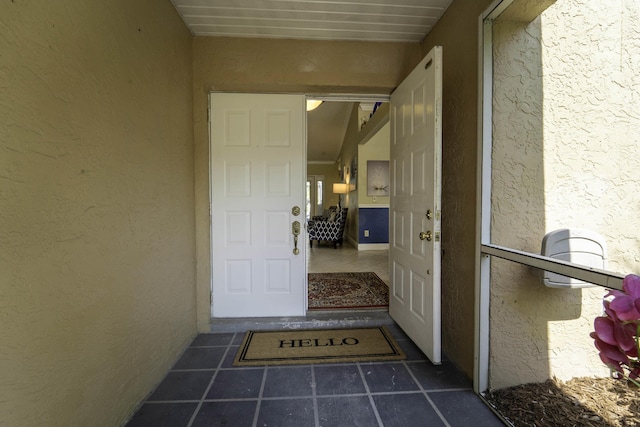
373,246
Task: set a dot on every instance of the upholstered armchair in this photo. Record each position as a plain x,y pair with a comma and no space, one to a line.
326,230
326,214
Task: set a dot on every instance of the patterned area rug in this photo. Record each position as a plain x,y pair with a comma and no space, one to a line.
342,291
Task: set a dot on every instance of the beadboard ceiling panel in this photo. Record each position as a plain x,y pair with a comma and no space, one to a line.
377,20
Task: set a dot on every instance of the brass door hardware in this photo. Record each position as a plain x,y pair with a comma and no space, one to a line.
295,229
426,236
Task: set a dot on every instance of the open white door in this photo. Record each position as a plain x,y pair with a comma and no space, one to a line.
416,178
257,181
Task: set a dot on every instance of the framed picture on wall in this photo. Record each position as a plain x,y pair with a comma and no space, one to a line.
377,177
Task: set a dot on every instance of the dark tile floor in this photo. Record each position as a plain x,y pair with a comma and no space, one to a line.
204,389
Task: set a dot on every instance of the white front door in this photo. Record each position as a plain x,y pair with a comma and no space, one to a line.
257,181
416,146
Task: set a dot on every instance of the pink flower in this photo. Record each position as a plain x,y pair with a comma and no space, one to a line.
616,333
626,338
626,303
610,354
604,327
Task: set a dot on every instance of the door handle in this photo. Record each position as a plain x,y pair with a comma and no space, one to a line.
295,230
426,236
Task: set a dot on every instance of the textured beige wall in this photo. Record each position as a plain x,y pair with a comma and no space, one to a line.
562,98
348,152
520,304
591,63
457,32
294,66
97,223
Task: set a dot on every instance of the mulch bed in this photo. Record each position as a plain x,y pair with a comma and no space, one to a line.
588,402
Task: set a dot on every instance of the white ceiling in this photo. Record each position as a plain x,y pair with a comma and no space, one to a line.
363,20
368,20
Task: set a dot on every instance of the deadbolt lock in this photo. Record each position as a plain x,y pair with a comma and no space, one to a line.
295,210
429,214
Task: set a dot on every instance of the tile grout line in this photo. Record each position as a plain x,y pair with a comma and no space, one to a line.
318,397
233,368
316,414
426,395
370,396
213,378
260,394
435,408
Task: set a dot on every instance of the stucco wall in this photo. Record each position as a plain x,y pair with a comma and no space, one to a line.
591,63
563,97
457,33
294,66
97,224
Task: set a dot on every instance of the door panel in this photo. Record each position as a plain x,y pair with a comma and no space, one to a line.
415,204
257,177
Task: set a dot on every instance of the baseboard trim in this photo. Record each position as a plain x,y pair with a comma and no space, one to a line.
372,246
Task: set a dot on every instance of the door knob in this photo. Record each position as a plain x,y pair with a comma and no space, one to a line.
426,236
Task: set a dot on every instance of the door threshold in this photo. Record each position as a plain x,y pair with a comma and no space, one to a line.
313,320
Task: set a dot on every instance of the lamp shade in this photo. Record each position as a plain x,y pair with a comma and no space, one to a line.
340,188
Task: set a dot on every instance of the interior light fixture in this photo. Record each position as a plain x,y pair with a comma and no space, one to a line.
340,188
312,104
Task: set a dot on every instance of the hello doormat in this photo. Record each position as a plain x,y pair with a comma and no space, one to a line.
317,346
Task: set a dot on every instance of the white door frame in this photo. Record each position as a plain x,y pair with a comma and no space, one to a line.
369,98
483,193
483,204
